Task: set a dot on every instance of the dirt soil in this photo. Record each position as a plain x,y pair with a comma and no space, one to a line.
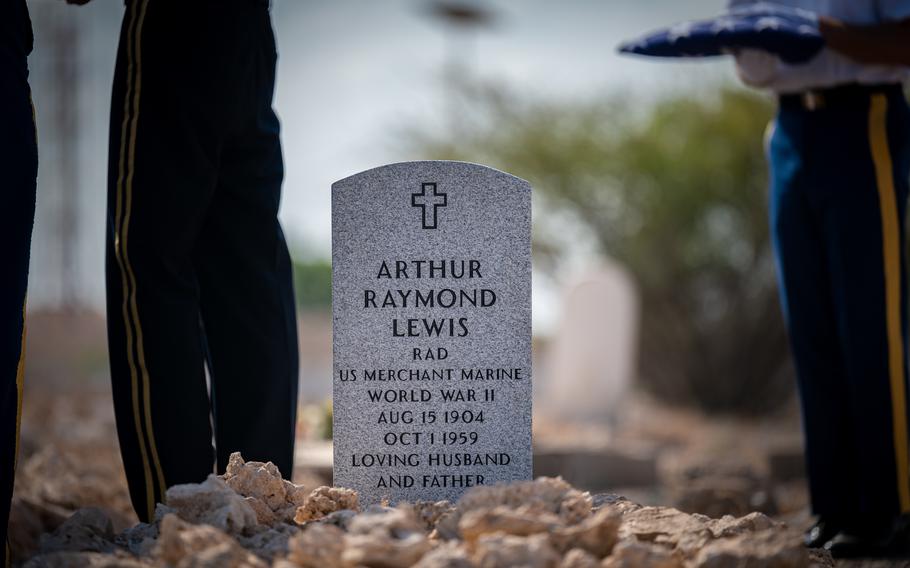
71,507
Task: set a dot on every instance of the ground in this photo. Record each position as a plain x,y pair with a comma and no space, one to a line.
698,492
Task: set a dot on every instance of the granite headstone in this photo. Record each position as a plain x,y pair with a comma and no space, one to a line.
431,300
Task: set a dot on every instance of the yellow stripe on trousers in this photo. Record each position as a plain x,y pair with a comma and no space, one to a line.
884,176
20,388
20,368
126,257
123,205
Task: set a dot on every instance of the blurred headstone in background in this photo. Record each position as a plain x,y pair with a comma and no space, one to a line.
593,353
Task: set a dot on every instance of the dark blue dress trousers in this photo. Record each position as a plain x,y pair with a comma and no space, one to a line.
838,200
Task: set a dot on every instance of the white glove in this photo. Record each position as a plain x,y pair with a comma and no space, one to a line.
757,68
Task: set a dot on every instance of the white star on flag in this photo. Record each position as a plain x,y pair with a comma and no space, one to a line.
679,30
723,24
767,24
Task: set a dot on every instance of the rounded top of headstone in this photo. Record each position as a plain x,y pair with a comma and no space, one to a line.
449,168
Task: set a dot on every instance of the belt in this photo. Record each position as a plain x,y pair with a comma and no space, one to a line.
849,95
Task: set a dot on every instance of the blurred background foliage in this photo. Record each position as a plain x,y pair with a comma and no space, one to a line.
313,284
675,190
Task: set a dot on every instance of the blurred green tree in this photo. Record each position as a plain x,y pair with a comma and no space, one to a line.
675,190
313,285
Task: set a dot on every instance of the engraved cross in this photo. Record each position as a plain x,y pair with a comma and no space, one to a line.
429,200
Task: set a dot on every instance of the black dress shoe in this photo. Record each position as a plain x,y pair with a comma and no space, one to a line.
890,541
821,532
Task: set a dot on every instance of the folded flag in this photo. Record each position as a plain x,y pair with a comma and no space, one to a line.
790,33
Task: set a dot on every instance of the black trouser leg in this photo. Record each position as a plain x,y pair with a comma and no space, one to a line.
194,241
161,175
248,310
19,170
246,284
